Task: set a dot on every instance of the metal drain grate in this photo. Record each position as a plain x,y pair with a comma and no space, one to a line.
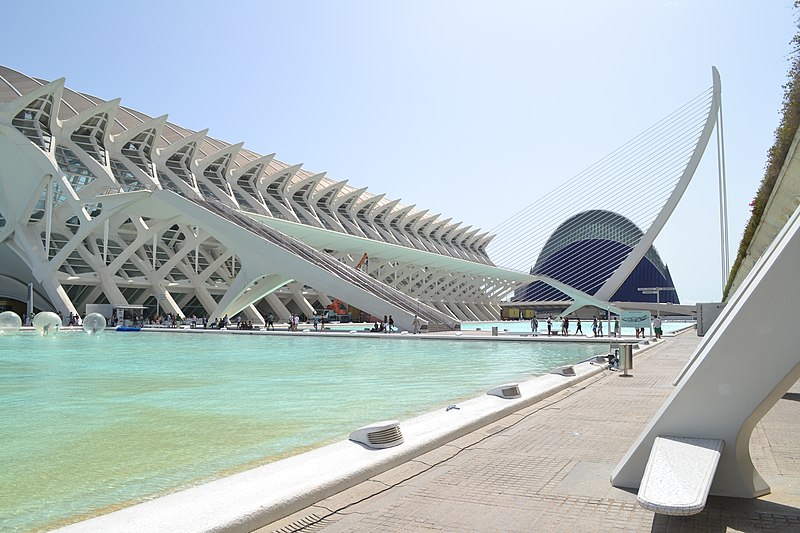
310,522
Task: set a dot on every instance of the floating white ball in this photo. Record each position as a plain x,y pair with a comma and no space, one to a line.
47,323
10,322
94,323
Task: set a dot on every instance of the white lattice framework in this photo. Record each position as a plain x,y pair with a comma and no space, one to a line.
77,176
85,206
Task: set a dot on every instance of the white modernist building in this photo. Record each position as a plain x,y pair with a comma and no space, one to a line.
101,204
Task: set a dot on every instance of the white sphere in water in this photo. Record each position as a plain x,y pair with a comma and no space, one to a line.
10,322
47,323
94,323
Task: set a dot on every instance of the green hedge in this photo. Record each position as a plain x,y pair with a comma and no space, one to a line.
776,156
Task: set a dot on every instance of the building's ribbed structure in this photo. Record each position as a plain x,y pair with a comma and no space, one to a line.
86,216
585,250
104,205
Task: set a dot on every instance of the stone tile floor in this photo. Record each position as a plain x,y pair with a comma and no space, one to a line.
547,468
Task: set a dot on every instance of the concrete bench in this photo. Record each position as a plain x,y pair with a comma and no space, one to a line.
678,475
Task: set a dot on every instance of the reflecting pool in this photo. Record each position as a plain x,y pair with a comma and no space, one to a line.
91,424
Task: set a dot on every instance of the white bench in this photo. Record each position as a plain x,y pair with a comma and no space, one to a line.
678,475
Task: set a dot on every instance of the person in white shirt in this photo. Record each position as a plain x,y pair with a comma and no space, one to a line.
657,326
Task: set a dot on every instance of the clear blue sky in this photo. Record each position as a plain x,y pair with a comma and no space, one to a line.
472,109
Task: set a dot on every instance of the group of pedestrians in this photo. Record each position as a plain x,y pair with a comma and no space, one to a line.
384,326
597,327
564,330
74,319
293,324
319,322
169,320
387,325
564,326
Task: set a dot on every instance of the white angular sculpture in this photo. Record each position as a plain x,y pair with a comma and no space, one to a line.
743,366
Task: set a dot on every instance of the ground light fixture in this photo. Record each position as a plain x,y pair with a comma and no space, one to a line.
385,434
566,370
508,391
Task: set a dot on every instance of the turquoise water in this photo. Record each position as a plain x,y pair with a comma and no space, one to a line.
91,424
524,326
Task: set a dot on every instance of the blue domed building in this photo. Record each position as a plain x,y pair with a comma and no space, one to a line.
585,250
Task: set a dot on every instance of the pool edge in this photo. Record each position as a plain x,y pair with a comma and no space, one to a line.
255,498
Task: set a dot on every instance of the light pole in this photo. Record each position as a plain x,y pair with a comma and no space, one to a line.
657,291
29,316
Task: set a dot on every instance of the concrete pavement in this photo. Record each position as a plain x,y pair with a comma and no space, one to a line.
547,468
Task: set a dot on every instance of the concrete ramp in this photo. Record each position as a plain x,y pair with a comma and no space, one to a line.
747,361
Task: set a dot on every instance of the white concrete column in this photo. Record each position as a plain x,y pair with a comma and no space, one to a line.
58,296
441,307
166,302
277,306
467,312
479,311
297,295
254,315
204,297
323,299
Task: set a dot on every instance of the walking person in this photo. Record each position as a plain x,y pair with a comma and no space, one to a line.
594,325
391,323
578,326
549,325
270,322
657,326
534,325
415,325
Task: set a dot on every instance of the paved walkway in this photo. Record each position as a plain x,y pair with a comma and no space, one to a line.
547,468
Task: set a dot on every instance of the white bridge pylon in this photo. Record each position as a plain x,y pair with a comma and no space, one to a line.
642,181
